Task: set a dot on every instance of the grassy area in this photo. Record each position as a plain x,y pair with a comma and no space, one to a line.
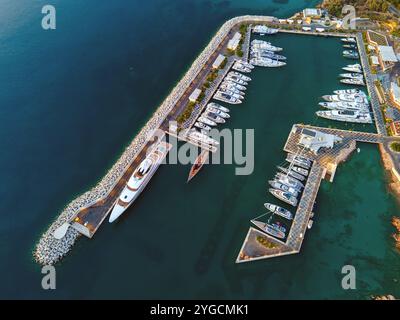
264,242
395,146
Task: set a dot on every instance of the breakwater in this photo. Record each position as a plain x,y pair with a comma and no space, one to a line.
50,250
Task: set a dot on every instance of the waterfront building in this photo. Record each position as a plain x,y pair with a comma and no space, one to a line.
376,38
395,127
387,57
395,94
315,140
312,13
234,42
217,63
195,95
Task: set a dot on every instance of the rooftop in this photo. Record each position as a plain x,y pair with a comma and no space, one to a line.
387,54
315,140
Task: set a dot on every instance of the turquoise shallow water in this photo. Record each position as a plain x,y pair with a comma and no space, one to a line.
72,99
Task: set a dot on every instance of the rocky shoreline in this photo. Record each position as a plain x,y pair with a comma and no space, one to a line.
50,250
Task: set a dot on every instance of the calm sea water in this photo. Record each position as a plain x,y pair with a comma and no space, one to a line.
71,99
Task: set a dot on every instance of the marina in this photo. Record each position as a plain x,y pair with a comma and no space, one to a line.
302,213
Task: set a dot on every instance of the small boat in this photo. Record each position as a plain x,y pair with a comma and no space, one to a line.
353,68
206,121
356,82
279,211
218,112
280,186
269,229
240,67
310,223
284,196
213,117
233,84
224,97
349,40
202,126
299,160
350,54
202,138
292,173
300,170
349,91
236,80
351,75
198,164
239,75
349,46
289,181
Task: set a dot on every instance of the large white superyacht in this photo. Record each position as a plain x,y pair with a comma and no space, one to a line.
139,179
346,116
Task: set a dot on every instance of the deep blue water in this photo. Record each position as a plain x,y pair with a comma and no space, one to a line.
70,100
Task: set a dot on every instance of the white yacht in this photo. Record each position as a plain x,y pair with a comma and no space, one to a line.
284,196
222,96
349,40
344,105
279,211
264,45
139,179
353,81
356,97
350,91
353,68
228,88
299,160
217,106
346,116
234,84
266,54
207,121
213,117
289,181
262,30
202,138
218,112
280,186
202,126
236,80
239,75
240,67
231,93
266,62
352,75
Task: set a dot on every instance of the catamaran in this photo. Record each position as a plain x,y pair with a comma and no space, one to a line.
139,179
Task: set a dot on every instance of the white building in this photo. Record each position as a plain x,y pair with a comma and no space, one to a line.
234,42
195,95
395,94
387,57
315,140
218,61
